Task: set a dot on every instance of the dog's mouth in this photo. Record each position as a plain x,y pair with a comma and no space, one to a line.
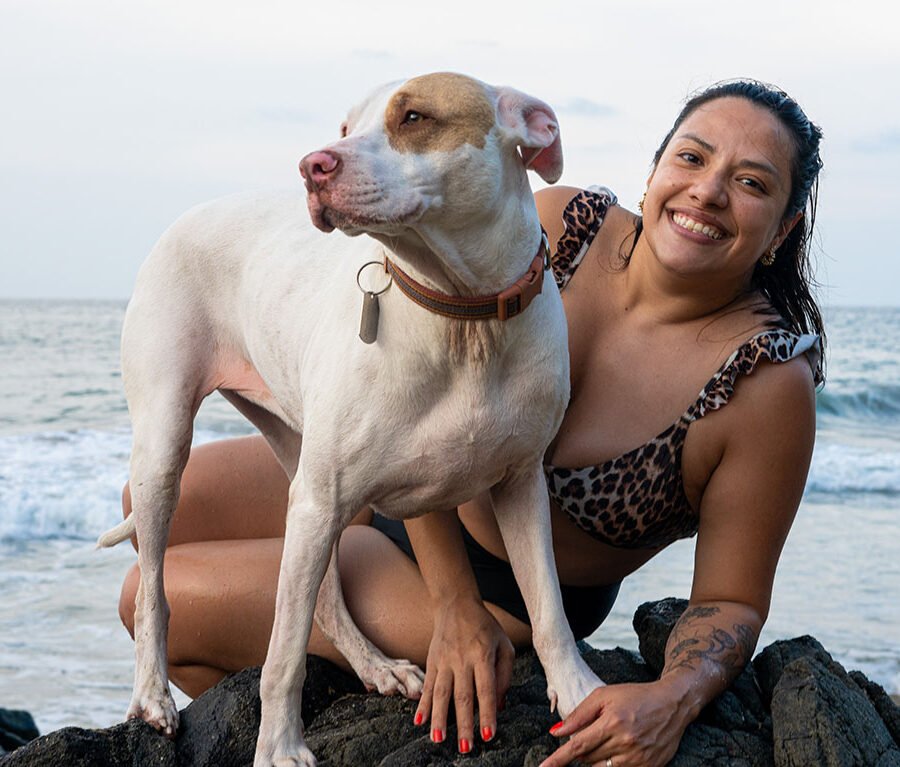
319,214
328,218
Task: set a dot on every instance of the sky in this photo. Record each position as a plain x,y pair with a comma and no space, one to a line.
118,115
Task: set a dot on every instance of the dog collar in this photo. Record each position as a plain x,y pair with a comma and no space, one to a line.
503,305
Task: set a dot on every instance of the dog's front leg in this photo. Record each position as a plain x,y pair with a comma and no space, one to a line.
522,508
310,532
373,667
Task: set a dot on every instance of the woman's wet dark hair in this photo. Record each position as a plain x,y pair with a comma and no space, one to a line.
787,284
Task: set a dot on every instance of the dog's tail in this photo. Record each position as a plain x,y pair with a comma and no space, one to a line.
119,533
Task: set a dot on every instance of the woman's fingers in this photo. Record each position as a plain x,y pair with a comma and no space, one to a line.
588,746
464,701
469,663
630,724
492,680
440,704
503,667
423,709
487,691
583,714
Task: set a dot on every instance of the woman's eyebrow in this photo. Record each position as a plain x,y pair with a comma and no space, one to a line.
697,140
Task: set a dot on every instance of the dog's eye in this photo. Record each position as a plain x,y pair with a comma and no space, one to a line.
412,117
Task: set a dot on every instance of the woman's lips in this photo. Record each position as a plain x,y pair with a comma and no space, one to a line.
686,222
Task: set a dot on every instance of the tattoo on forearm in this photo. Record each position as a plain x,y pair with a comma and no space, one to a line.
696,641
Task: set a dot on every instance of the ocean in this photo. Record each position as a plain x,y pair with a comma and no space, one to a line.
64,444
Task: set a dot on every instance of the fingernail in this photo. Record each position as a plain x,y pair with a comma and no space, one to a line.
486,733
437,736
418,720
464,746
555,727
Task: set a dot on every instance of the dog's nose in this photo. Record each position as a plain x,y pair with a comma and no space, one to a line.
317,167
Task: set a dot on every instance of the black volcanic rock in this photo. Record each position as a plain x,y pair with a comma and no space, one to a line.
794,705
16,729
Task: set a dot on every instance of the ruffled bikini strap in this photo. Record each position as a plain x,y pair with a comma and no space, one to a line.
770,345
583,217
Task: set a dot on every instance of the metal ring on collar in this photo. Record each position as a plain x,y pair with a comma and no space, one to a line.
359,274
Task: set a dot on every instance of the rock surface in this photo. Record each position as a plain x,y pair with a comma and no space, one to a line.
794,705
16,729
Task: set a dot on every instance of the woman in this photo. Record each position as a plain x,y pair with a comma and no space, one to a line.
708,290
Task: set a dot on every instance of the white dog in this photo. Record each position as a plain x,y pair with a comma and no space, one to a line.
457,386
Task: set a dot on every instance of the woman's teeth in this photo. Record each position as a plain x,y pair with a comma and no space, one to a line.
686,222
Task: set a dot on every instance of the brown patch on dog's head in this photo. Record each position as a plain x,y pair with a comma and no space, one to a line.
438,113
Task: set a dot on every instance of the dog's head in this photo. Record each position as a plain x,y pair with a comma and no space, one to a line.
438,145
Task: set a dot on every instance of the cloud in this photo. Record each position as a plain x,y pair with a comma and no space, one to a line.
582,107
881,143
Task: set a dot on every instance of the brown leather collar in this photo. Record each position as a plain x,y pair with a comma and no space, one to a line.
508,303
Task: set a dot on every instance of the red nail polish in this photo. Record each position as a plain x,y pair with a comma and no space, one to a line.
486,733
555,727
464,746
418,720
437,736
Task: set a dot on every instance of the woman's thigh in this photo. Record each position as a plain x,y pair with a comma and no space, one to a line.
230,489
222,599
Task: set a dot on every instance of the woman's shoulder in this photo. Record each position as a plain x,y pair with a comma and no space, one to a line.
769,382
551,203
577,220
554,201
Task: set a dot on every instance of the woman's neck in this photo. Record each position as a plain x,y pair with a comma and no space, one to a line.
662,296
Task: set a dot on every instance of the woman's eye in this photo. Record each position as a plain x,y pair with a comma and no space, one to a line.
752,183
689,157
412,117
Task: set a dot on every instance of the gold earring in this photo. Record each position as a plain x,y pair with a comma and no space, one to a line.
769,256
641,202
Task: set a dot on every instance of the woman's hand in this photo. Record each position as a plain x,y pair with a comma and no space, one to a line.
623,725
470,659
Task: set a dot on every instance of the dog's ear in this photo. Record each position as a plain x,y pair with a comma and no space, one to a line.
536,130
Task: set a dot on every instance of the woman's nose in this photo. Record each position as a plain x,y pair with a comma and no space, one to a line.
711,189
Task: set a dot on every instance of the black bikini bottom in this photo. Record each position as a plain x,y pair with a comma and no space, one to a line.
586,607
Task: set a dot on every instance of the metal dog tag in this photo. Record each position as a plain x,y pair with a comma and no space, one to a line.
368,321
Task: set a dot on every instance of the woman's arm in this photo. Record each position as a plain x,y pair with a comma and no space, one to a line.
470,657
746,511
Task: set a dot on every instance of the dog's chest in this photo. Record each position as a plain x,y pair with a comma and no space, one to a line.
464,444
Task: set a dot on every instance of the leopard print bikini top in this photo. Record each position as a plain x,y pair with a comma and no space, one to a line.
637,501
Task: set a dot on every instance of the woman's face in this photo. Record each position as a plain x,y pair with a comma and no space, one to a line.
716,199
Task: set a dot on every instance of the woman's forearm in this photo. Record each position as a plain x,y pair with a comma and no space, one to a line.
437,542
644,723
708,648
470,658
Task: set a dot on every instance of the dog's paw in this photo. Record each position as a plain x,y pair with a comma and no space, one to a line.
159,711
292,754
301,759
567,689
394,676
566,697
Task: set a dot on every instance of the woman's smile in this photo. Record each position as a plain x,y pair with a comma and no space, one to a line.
695,226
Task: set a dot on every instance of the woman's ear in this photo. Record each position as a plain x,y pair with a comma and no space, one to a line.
785,229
